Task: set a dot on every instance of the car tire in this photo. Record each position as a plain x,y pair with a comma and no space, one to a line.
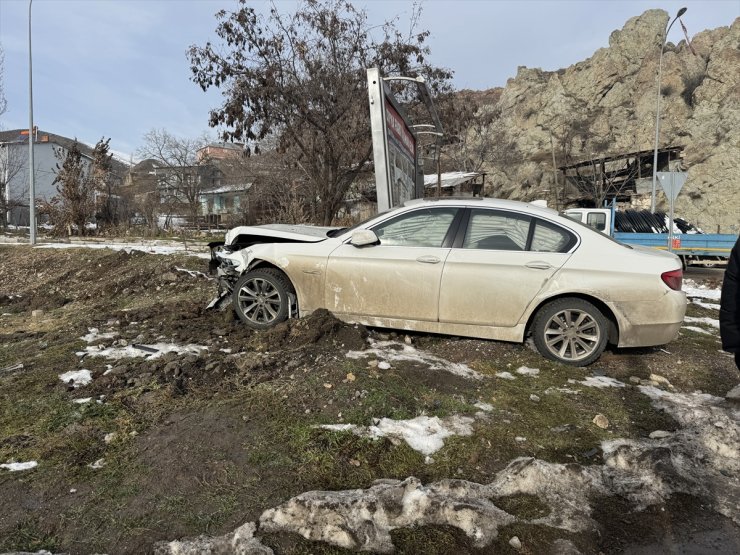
262,297
570,331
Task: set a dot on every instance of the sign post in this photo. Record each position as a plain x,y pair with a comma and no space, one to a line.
672,183
398,176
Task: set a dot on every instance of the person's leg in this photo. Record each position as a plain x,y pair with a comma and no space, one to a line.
737,360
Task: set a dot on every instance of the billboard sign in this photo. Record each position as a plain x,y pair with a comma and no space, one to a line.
401,156
397,174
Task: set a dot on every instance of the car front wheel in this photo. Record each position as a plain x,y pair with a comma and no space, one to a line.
571,331
261,298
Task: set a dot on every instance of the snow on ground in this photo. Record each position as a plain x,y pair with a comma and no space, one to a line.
425,434
710,306
128,247
95,335
148,352
524,371
600,382
708,321
193,273
16,466
693,289
78,378
505,375
394,351
702,458
696,329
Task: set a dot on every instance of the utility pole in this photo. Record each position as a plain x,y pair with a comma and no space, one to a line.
657,110
31,168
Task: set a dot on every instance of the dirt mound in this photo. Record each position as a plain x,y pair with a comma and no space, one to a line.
321,327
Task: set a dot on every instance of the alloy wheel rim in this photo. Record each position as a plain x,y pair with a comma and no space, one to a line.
572,335
259,301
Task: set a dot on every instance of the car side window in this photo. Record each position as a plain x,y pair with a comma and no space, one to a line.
551,238
420,228
497,230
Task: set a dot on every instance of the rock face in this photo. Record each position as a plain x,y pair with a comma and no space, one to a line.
606,105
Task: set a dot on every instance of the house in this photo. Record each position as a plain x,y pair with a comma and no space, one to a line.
221,151
225,202
14,176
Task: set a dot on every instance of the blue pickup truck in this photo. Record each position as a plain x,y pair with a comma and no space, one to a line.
652,230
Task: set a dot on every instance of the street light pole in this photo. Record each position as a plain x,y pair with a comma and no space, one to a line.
31,168
657,110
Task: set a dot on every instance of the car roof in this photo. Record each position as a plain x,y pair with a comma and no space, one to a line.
483,202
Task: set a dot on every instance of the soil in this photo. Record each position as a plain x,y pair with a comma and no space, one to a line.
205,443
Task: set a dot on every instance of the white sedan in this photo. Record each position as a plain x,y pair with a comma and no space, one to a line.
484,268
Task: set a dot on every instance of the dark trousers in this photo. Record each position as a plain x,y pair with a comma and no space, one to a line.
737,360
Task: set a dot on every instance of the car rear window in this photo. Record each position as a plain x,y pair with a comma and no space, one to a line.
548,237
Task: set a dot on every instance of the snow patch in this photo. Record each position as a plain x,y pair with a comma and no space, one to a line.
78,378
524,371
601,382
128,247
362,520
486,407
95,335
148,352
193,273
693,289
241,541
394,351
697,330
425,434
18,466
708,321
505,375
710,306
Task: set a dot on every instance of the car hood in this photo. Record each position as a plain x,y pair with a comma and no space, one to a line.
298,233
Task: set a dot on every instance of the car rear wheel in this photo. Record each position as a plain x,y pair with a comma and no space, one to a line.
571,331
262,297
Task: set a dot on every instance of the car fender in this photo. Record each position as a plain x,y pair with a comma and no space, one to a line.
306,274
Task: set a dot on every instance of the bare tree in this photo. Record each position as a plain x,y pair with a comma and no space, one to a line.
473,138
303,77
12,170
110,206
183,175
74,205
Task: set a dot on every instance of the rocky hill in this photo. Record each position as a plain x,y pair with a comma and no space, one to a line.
606,105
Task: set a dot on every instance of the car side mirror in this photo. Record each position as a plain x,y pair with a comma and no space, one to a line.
363,238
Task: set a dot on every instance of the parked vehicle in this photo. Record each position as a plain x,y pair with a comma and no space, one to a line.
482,268
651,230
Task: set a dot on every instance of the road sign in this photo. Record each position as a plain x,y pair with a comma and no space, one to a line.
672,183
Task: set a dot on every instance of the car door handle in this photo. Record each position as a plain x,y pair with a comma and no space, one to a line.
538,265
428,260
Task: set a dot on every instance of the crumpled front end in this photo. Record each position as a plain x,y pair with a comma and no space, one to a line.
228,265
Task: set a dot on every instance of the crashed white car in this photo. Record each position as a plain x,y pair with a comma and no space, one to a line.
482,268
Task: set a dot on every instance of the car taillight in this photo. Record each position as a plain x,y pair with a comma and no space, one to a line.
673,279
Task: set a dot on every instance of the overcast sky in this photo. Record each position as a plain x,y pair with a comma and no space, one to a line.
117,68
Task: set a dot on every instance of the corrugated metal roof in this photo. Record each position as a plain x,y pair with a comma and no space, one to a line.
449,179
